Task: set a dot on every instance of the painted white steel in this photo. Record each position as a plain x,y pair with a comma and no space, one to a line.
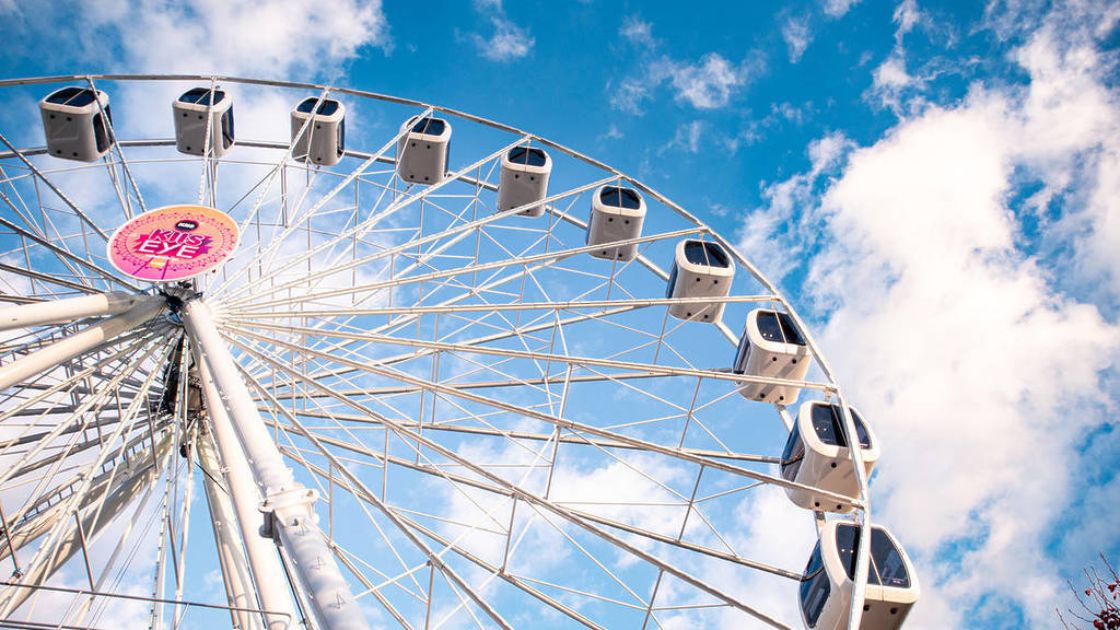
831,381
83,341
264,563
72,309
227,538
135,480
291,504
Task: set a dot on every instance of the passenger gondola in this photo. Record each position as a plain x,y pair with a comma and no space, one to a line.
701,269
191,122
523,179
617,214
423,149
817,454
771,346
826,587
324,139
77,124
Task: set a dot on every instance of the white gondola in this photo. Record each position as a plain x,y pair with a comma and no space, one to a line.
700,269
817,454
191,123
524,179
771,346
422,150
617,214
324,140
826,587
74,125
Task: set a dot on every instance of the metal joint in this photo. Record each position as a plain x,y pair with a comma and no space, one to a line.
291,507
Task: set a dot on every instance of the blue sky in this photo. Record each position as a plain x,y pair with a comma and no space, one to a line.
935,184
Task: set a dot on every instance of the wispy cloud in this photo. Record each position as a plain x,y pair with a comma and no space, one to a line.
508,42
710,82
629,94
837,8
687,137
773,236
891,80
250,36
707,84
797,36
612,133
906,17
637,31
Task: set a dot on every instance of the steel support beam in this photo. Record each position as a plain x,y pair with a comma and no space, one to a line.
264,562
227,539
69,310
289,506
88,338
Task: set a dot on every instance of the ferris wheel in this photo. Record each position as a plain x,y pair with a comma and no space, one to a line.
307,366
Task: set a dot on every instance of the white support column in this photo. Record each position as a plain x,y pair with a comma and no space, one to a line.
228,540
82,341
264,563
62,311
289,503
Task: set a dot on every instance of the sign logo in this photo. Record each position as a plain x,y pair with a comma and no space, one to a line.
173,243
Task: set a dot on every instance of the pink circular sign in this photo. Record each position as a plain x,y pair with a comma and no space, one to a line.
173,243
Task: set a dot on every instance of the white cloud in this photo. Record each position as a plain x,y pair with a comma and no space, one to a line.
1010,18
250,36
508,42
891,74
687,136
906,16
980,371
775,532
628,94
637,31
890,82
796,33
963,405
827,152
837,8
283,40
708,84
785,199
786,111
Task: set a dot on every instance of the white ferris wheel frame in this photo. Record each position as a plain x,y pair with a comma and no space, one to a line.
225,390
